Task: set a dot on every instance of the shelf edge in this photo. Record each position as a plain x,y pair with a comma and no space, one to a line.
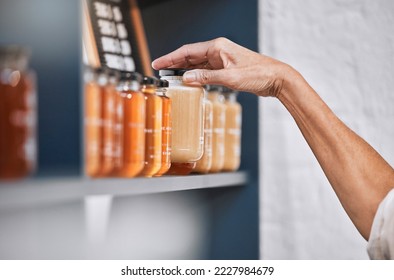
46,191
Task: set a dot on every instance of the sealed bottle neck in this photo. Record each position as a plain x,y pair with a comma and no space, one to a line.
148,89
216,96
14,58
231,97
102,79
161,92
129,86
112,80
89,75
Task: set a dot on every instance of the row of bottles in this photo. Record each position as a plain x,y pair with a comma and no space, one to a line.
137,126
222,131
17,114
134,126
125,130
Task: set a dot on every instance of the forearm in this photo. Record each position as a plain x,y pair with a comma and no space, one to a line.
358,174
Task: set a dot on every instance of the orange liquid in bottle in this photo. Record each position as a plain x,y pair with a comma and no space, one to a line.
4,127
118,134
13,163
153,133
108,95
181,168
92,127
17,114
166,137
133,132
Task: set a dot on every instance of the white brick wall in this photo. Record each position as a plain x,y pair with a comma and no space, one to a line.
345,49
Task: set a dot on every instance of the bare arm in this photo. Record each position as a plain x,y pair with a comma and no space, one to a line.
360,177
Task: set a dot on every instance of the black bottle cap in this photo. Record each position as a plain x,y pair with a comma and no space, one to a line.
99,71
214,88
150,81
130,76
173,72
113,73
226,90
163,84
107,70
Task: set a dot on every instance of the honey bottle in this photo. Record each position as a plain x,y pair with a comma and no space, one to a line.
17,114
232,139
107,81
165,128
117,151
153,127
205,163
133,140
219,118
92,123
187,139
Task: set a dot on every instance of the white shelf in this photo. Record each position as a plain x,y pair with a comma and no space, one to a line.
43,191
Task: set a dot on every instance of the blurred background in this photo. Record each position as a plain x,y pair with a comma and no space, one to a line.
51,31
345,50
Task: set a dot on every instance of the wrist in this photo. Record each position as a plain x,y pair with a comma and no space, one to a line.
291,82
295,89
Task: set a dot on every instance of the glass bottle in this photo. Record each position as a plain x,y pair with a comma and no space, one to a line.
232,147
205,163
219,118
187,122
118,132
166,127
133,140
107,82
18,114
153,124
92,123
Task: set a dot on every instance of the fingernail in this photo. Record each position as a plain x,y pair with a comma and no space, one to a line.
189,77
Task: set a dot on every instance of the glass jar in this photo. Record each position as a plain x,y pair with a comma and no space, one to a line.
153,124
161,91
219,118
133,140
187,122
205,163
92,123
18,114
232,140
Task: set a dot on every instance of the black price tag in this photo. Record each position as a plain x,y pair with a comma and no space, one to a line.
113,34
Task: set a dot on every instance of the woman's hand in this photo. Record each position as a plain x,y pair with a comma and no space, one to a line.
223,62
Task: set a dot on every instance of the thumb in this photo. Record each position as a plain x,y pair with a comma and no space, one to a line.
204,76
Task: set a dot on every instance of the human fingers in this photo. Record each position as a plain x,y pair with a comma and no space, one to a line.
184,57
255,79
205,76
193,64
